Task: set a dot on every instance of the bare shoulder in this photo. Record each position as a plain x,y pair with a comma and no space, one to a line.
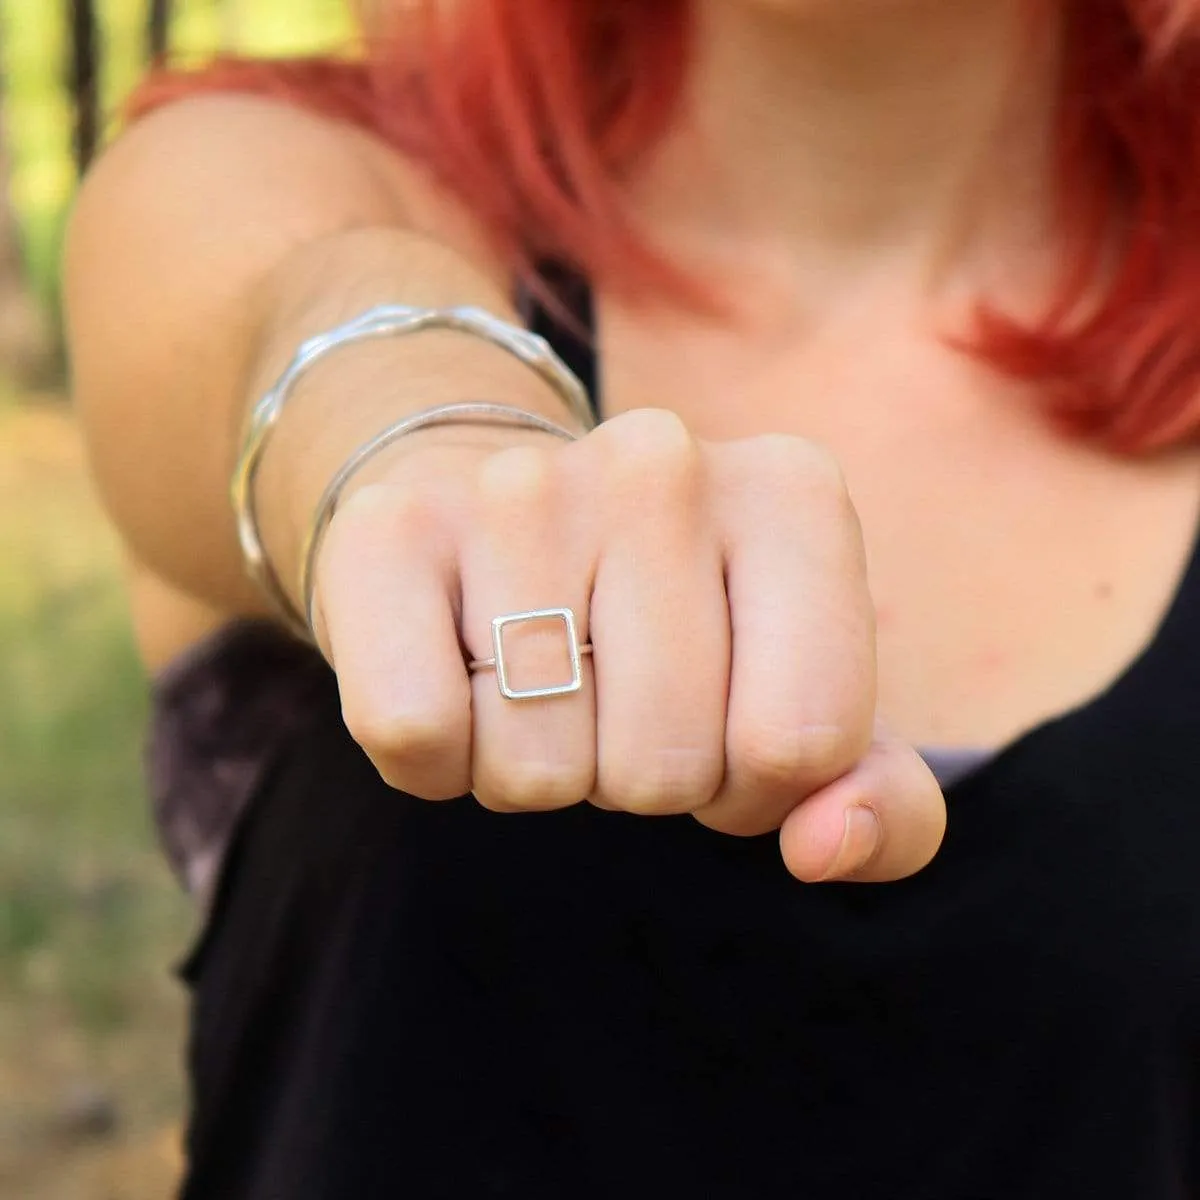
248,174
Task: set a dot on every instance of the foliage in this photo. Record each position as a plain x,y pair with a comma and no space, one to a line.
38,110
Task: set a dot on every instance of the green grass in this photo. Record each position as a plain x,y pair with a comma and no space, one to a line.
80,894
90,922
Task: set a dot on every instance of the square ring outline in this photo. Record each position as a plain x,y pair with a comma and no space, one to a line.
567,617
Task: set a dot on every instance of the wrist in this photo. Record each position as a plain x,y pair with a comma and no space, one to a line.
335,407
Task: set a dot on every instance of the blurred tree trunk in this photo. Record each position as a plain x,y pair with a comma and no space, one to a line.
158,29
84,81
28,352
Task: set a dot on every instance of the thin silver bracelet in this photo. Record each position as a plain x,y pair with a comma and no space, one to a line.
469,413
388,320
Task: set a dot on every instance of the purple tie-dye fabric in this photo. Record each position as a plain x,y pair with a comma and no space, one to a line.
219,717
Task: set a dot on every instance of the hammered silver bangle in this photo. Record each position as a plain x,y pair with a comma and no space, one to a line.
468,413
388,320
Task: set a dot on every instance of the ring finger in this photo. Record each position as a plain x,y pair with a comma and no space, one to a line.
529,752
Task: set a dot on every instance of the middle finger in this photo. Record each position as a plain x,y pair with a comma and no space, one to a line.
661,626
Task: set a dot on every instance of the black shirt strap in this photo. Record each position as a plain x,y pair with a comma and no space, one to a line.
568,324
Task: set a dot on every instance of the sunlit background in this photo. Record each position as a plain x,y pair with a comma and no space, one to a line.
91,1020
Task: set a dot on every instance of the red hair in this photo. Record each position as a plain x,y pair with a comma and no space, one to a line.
530,110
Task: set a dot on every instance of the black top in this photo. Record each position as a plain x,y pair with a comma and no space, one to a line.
400,998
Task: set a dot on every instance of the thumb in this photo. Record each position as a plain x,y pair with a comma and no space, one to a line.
882,821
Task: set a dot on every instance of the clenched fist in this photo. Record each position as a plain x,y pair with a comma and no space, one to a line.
723,590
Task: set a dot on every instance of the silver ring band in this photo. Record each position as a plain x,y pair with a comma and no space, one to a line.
489,664
499,663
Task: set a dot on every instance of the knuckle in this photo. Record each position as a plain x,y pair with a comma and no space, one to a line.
800,465
739,822
654,444
533,786
380,509
404,741
803,758
431,785
374,517
664,785
522,476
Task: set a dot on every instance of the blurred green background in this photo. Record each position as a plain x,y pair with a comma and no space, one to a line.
91,1020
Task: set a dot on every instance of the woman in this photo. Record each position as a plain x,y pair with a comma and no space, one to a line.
889,307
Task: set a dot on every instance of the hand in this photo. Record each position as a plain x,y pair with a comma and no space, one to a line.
724,589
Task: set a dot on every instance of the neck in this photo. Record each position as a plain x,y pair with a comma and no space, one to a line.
840,140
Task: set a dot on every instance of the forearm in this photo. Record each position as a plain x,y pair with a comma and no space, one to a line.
205,247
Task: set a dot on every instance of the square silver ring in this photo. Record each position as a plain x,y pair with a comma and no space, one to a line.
567,617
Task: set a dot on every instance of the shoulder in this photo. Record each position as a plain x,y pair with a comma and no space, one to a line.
262,168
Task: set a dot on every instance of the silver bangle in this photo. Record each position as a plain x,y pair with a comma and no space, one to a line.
469,413
388,320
